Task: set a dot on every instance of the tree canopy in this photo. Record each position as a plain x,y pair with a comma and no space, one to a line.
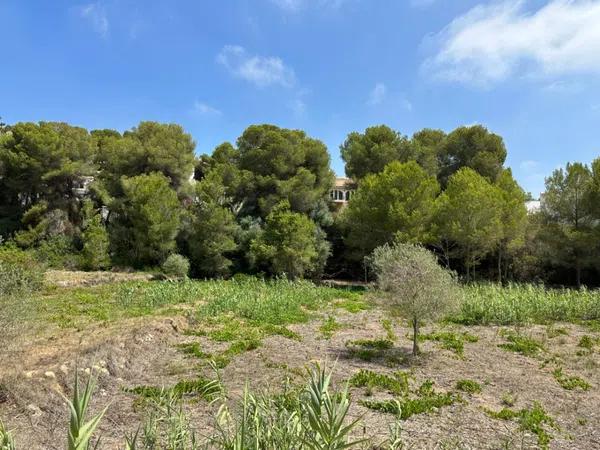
369,152
397,203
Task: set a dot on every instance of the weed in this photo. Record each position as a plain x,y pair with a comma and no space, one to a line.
405,408
509,399
353,304
532,420
570,382
389,329
469,386
519,343
201,387
588,342
367,349
397,383
553,331
329,327
193,349
450,340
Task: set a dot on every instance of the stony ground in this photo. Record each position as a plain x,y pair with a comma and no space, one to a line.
144,351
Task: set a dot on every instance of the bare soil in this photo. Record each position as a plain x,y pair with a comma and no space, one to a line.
144,351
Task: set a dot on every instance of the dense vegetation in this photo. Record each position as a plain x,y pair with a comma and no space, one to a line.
101,199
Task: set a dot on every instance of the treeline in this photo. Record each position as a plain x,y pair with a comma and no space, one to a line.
102,199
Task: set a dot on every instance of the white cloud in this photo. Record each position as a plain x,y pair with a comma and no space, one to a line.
377,95
260,70
205,109
95,13
492,42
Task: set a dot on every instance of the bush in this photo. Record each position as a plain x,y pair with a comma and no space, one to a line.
413,284
176,266
20,273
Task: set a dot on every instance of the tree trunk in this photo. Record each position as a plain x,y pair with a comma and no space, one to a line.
578,273
499,266
415,337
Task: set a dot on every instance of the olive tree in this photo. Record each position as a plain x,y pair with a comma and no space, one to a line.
412,284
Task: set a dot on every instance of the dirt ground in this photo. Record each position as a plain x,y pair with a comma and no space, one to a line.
144,351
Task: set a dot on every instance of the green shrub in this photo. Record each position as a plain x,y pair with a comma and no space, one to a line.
176,266
20,273
58,252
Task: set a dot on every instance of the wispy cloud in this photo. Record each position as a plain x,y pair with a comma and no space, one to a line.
95,13
260,70
377,94
205,109
493,42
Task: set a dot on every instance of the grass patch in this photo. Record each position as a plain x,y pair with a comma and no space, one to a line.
519,343
369,349
329,327
450,341
570,382
388,326
201,387
468,386
405,408
515,304
532,420
554,331
276,302
353,303
397,383
588,342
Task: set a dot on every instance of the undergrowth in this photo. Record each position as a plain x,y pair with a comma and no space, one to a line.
533,419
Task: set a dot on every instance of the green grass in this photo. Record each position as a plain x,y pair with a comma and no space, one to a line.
588,342
353,302
329,327
520,343
369,349
388,326
570,382
200,387
515,304
450,340
396,383
407,407
468,386
533,420
274,303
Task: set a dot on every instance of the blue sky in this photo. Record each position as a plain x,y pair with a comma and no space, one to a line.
527,69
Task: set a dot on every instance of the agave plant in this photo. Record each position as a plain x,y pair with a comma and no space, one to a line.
80,431
6,440
326,414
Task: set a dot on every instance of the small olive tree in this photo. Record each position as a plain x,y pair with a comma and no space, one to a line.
413,284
